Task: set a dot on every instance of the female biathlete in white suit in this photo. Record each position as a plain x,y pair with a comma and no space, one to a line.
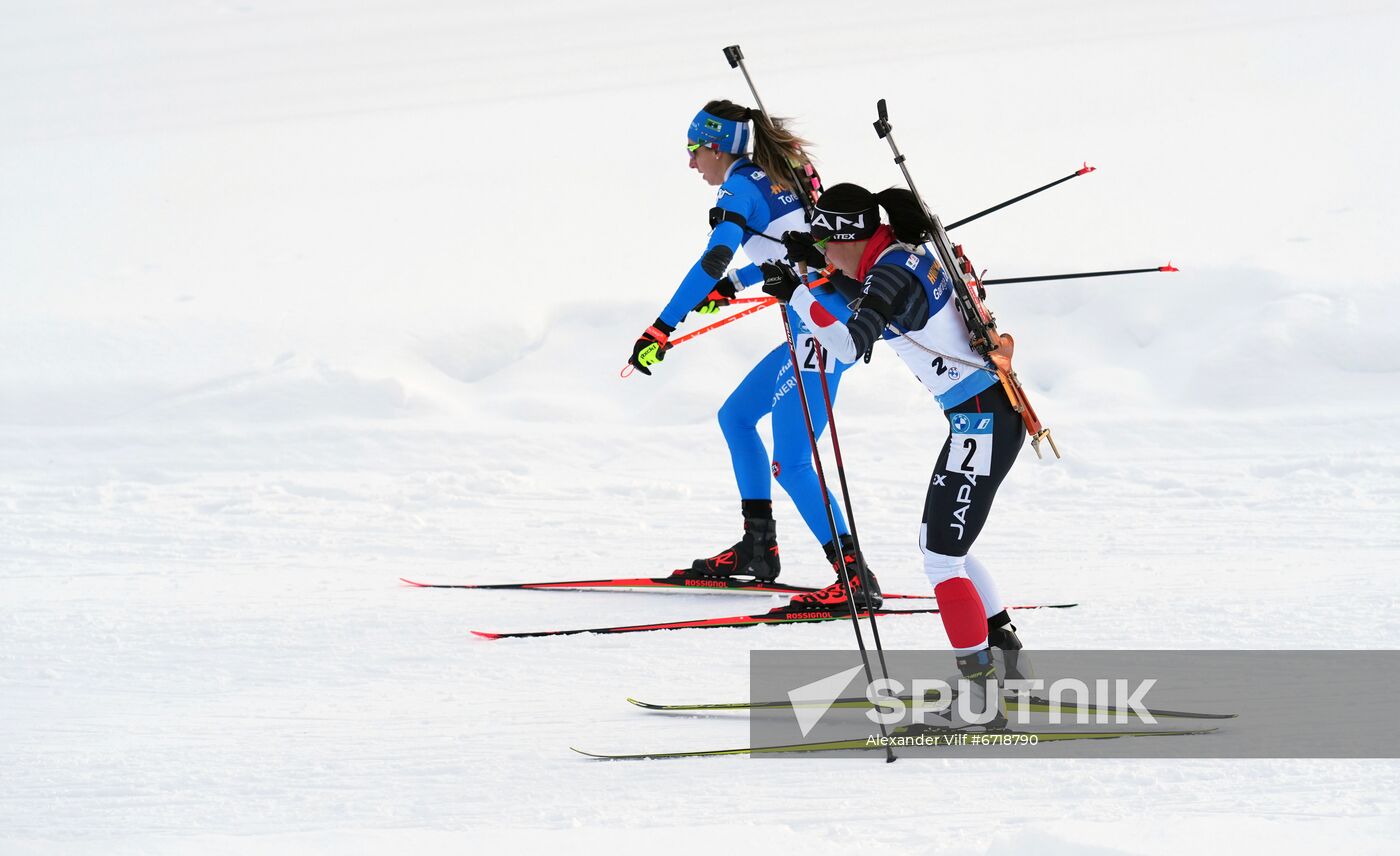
907,302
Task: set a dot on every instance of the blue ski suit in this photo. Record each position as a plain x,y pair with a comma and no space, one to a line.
754,211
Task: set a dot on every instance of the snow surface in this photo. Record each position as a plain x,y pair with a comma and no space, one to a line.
305,296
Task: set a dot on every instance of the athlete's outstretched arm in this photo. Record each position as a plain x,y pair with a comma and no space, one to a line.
738,198
711,265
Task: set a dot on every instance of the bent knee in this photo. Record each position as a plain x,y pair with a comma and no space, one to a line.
789,470
941,567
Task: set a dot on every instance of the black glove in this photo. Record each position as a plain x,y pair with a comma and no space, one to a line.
779,280
650,347
802,249
722,293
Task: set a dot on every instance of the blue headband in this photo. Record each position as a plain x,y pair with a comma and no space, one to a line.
724,135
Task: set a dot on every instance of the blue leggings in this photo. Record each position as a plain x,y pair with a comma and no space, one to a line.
769,388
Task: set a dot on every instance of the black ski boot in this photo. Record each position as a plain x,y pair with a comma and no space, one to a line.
1001,634
756,555
864,586
980,672
977,674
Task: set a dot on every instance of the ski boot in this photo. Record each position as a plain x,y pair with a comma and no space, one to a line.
756,555
968,708
980,672
864,586
1001,635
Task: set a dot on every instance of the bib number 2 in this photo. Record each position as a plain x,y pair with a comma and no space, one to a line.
970,449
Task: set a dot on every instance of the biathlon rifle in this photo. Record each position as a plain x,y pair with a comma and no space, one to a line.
969,297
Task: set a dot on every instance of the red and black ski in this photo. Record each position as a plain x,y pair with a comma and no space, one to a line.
680,581
780,615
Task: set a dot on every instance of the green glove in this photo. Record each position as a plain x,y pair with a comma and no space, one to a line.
720,296
650,347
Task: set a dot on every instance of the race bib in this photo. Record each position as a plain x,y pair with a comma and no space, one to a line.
807,346
970,447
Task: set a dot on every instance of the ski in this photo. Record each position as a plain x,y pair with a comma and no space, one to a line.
1033,704
778,615
679,581
935,737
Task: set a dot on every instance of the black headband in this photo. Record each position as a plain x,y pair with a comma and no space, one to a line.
844,225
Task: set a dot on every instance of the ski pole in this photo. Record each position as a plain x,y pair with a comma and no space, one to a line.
831,523
1166,268
759,304
1084,170
735,56
845,493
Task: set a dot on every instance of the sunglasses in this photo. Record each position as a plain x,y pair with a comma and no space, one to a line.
821,245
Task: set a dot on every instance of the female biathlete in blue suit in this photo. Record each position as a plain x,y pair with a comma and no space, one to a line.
756,204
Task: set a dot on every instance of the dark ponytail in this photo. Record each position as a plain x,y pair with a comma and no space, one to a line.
776,150
906,215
